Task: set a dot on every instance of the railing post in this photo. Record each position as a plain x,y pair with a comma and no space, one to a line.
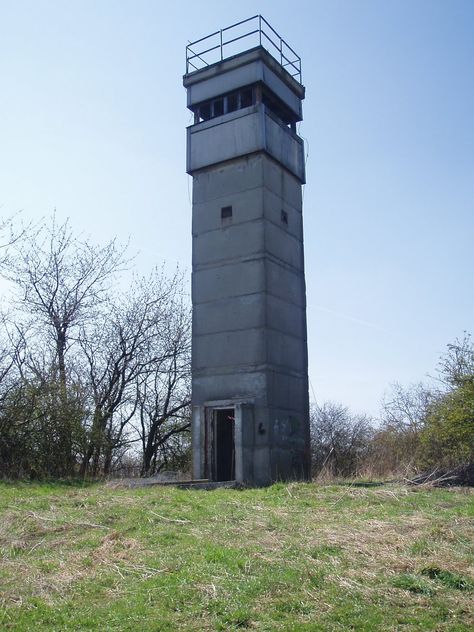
260,28
222,52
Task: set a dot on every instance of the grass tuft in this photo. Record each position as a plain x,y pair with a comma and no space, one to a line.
413,584
448,579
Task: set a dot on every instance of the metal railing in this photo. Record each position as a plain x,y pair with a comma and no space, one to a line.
218,45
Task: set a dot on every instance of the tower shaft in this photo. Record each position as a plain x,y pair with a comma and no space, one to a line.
249,343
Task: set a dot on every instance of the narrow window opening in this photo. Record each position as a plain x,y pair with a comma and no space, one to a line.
205,111
218,106
246,98
284,217
225,104
233,102
275,106
226,212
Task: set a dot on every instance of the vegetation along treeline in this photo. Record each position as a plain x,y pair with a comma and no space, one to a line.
422,428
95,379
89,372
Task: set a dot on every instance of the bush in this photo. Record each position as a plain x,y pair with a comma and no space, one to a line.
447,439
40,430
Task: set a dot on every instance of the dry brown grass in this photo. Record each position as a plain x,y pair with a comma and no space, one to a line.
264,557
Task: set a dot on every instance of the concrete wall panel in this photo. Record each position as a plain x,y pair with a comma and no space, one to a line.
288,392
224,138
285,317
234,240
285,351
287,428
241,385
289,464
261,466
233,348
273,205
284,145
239,312
285,283
283,245
239,176
225,281
282,183
246,206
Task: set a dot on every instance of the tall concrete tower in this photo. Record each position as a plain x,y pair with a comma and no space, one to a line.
249,347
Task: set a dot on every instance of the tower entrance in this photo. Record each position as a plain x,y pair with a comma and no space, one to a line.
223,444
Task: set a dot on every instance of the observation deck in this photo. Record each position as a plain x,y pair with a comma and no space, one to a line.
244,87
240,37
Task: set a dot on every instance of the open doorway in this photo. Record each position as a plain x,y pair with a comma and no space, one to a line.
223,444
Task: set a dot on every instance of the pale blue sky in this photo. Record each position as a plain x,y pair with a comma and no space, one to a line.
92,119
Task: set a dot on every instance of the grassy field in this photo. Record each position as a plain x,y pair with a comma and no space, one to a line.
289,557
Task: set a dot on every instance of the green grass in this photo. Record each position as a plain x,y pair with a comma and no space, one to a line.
288,557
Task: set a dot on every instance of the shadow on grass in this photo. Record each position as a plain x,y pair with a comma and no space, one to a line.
362,483
56,482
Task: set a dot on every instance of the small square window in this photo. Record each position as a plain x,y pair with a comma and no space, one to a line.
226,212
284,217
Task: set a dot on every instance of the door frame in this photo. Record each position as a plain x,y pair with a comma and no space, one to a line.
213,445
207,445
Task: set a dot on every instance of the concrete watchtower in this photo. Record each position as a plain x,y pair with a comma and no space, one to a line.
249,346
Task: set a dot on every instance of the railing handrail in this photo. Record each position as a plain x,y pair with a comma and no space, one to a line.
282,47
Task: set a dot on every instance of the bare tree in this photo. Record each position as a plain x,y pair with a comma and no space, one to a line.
131,344
6,357
96,372
404,408
11,356
396,444
339,438
456,366
164,397
60,280
10,234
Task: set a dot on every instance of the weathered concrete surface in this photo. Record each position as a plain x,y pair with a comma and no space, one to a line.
242,133
249,347
249,322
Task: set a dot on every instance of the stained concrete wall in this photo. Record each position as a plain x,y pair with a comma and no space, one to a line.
249,324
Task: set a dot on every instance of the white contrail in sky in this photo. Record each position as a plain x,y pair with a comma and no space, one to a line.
351,318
